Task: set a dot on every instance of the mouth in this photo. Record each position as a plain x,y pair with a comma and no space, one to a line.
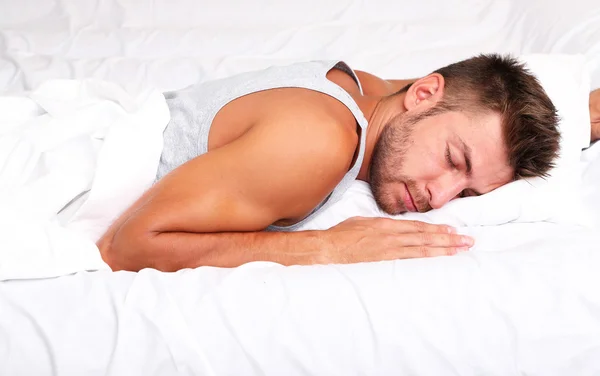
409,203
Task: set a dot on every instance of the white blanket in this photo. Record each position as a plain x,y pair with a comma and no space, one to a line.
73,155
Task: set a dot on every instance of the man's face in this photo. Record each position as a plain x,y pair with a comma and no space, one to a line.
422,164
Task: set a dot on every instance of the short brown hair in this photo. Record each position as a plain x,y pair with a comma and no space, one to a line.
503,85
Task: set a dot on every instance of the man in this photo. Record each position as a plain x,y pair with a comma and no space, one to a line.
267,150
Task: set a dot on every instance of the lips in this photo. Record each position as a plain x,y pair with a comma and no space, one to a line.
409,203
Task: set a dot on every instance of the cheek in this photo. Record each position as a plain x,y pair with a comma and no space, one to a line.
419,163
423,154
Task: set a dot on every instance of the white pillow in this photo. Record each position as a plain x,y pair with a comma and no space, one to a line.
556,199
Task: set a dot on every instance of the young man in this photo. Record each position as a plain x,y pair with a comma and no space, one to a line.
267,150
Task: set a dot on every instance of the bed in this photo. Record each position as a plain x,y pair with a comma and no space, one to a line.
525,301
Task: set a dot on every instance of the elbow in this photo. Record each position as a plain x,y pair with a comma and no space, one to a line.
126,249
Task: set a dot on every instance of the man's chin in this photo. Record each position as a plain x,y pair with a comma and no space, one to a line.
390,208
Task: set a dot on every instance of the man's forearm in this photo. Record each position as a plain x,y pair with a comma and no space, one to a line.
170,251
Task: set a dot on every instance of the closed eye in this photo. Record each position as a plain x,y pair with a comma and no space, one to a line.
449,158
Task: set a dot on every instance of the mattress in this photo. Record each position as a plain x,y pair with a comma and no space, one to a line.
525,303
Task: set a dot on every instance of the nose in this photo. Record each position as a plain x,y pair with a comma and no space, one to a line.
444,189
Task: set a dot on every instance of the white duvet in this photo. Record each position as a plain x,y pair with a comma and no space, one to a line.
525,301
74,154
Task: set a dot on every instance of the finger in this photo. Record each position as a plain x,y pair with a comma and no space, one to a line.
405,226
433,239
400,253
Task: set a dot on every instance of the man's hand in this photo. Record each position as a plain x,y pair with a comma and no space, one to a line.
375,239
595,114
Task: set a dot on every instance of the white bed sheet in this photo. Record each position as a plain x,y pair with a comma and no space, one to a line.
526,302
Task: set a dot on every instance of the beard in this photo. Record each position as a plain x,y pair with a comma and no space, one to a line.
387,164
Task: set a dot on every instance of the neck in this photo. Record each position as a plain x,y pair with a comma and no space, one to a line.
378,111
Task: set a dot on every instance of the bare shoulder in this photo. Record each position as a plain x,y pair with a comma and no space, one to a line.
343,80
316,129
305,151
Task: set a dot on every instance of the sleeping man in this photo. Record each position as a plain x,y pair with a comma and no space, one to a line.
249,158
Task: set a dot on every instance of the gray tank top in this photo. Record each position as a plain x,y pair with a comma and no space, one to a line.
194,108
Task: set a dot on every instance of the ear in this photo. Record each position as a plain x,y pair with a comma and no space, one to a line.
425,92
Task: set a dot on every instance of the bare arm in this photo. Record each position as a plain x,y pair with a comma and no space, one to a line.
355,240
171,251
209,210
